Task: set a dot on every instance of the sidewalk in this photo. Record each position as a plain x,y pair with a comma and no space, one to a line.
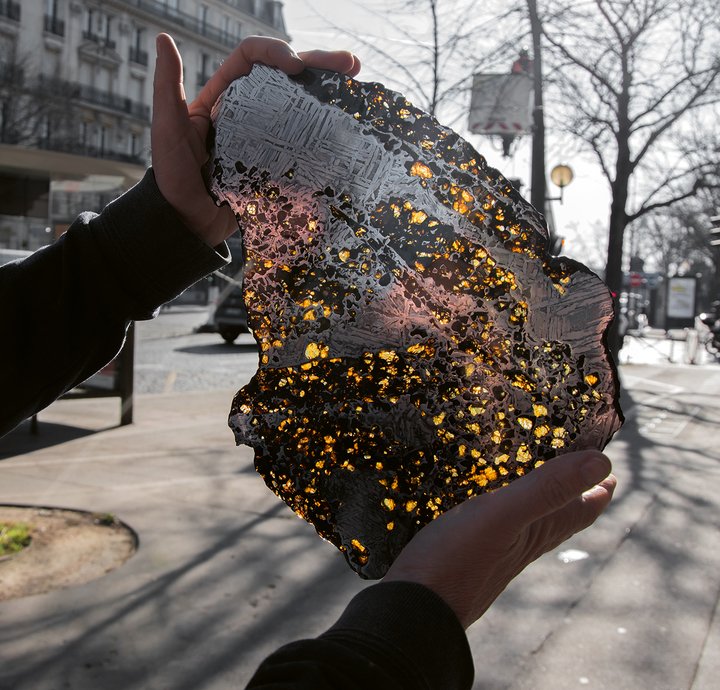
225,573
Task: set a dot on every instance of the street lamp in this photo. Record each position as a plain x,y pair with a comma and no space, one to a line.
561,176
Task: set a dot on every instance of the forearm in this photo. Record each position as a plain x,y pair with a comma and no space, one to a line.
65,309
395,635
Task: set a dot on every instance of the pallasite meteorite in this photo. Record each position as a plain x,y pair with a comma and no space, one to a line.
417,344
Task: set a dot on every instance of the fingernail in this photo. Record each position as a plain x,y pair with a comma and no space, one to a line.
595,467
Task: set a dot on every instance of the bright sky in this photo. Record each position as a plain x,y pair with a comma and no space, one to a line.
586,200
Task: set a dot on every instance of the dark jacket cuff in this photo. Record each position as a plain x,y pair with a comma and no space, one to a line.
158,255
409,627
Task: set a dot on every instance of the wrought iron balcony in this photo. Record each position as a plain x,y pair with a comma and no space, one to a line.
10,10
100,40
138,56
94,96
69,145
186,21
11,74
113,101
53,25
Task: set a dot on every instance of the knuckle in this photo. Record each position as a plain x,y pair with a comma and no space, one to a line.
556,491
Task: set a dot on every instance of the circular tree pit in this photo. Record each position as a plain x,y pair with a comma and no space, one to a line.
68,547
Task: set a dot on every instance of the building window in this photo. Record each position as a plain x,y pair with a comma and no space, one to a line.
137,53
98,27
202,14
137,89
103,139
53,23
204,74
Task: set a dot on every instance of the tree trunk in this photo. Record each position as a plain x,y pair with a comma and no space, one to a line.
618,213
613,268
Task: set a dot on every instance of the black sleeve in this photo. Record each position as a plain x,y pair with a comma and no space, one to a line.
64,310
392,636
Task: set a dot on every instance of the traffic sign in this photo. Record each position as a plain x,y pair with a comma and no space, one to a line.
636,280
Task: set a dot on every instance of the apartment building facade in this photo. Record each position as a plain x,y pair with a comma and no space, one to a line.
76,94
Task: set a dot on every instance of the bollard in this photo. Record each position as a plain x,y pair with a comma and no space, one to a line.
692,341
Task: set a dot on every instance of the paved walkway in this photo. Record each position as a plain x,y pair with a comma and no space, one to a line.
225,573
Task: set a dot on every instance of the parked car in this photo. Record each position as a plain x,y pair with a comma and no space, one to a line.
230,314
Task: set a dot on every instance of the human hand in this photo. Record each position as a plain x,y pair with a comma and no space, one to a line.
179,131
471,553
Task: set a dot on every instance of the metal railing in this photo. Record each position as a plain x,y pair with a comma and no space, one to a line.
266,11
10,10
186,21
100,40
95,96
67,145
11,74
138,56
90,94
53,25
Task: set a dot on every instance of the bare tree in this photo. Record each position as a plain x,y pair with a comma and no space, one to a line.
32,109
631,75
430,49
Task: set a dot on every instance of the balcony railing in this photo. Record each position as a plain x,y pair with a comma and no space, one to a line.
90,94
53,25
80,149
138,56
10,10
267,12
95,96
11,74
186,21
100,40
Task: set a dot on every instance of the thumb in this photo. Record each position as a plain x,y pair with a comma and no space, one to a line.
556,483
168,90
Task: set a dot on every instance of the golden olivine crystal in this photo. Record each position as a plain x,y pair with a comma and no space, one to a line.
418,346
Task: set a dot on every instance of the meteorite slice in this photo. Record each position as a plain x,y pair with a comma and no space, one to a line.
417,344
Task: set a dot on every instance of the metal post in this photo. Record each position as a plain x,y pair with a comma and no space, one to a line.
538,191
126,362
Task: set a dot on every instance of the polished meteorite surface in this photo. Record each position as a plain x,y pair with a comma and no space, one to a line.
417,344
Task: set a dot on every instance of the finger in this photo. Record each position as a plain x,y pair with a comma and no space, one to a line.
269,51
553,485
335,60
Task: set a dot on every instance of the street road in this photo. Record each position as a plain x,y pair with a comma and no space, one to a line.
169,356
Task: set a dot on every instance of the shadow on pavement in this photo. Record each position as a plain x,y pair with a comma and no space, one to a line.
246,595
218,348
23,440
